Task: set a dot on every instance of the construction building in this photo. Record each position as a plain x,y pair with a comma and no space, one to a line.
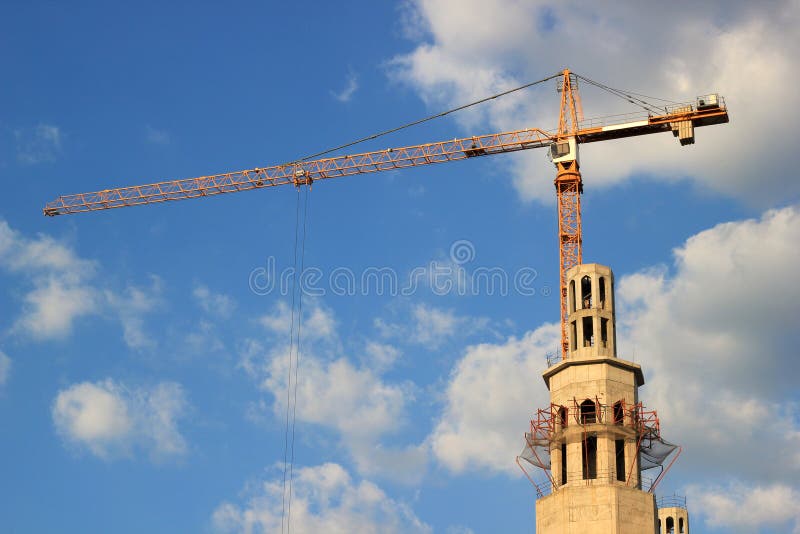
597,438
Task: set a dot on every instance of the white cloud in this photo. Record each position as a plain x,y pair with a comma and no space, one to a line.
737,507
39,144
214,303
131,305
64,289
380,356
5,368
695,49
112,420
325,499
53,305
353,401
61,292
318,321
717,340
334,393
351,86
431,327
488,402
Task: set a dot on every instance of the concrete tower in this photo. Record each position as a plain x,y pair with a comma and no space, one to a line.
595,429
673,517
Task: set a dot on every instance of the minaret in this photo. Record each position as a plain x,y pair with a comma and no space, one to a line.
593,439
673,517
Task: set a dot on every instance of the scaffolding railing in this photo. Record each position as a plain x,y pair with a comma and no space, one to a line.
548,425
603,477
671,501
636,116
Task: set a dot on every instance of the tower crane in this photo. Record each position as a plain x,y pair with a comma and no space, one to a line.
680,119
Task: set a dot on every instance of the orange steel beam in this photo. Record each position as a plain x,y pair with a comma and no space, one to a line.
570,109
303,172
569,187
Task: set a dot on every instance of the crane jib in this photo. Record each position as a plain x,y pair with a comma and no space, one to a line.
305,173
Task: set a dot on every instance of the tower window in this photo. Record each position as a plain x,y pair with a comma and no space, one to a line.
619,445
562,416
572,296
602,292
574,337
604,333
588,332
680,525
619,413
586,292
589,447
563,463
588,412
670,525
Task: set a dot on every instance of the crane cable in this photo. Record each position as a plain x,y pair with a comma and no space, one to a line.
294,358
289,377
630,96
297,349
420,121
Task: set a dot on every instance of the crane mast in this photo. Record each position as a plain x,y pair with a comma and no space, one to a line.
569,187
573,130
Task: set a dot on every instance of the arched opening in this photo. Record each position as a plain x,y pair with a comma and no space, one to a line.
604,333
680,526
572,296
588,412
573,341
619,413
589,451
602,292
586,292
670,525
588,332
659,525
619,449
562,416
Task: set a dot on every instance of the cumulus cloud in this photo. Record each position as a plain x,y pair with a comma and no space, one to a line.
335,393
430,326
61,291
695,49
318,321
380,356
737,507
64,288
112,420
489,399
717,338
326,499
39,144
5,368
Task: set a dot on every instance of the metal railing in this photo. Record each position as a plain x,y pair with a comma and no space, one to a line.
671,501
622,118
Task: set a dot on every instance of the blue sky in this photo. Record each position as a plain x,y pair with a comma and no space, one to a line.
142,378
